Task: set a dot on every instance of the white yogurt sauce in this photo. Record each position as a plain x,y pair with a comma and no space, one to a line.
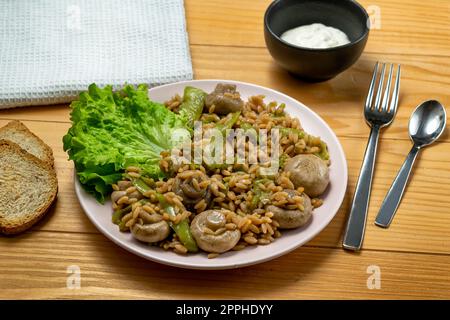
315,36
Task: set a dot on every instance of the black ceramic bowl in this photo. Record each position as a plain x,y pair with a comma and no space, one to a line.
316,64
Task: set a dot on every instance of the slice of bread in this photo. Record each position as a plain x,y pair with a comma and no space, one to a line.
28,187
18,133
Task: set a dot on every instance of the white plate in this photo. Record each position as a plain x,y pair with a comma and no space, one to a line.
100,215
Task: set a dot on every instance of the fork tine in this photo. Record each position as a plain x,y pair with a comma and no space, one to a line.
395,92
380,88
372,87
385,103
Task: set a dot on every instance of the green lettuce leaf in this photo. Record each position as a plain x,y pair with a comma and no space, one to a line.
112,130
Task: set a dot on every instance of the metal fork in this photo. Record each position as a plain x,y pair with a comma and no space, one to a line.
378,114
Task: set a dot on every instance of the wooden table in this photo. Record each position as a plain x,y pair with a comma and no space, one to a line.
226,41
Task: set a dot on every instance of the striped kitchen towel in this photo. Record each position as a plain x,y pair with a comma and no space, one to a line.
50,50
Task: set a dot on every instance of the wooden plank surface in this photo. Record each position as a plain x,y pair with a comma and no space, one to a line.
407,27
339,101
108,271
413,254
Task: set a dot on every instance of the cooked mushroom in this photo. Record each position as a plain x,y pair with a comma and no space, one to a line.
152,232
310,172
225,99
208,230
191,187
123,184
291,219
116,195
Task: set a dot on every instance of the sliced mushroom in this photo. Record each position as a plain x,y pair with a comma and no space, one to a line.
225,99
123,184
136,194
188,188
153,232
291,219
116,195
310,172
208,230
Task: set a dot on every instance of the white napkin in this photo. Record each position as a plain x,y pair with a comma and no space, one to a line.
51,50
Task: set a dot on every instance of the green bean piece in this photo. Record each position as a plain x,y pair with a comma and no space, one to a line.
193,103
118,214
228,124
323,153
259,195
122,226
182,229
140,185
286,131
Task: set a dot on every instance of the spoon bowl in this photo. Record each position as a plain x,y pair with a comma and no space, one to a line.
427,123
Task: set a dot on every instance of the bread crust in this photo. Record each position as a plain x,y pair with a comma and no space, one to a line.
20,226
18,126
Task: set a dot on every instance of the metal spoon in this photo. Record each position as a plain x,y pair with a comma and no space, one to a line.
425,126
